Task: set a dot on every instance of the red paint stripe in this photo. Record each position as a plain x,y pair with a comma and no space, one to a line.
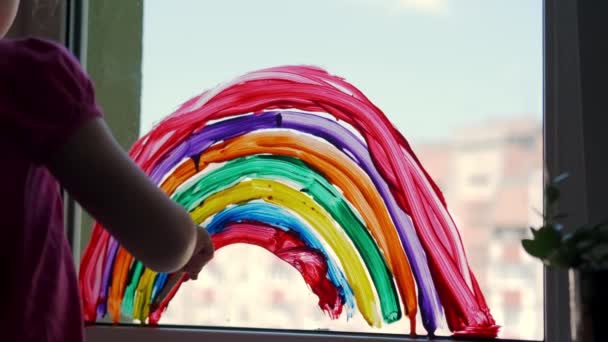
287,246
314,90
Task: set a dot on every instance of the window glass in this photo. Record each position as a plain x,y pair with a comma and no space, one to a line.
462,80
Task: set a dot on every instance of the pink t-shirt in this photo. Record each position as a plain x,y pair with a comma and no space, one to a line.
44,97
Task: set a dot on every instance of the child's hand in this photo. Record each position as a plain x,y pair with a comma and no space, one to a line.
203,253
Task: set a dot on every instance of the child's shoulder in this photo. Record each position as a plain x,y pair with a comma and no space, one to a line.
44,94
42,64
34,53
30,45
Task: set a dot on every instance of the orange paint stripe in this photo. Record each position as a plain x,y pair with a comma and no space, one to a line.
119,278
182,173
341,171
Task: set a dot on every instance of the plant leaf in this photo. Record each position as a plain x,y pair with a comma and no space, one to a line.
533,230
584,245
560,178
532,248
546,241
602,232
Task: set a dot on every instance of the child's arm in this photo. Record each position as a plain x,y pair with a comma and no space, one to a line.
104,180
49,112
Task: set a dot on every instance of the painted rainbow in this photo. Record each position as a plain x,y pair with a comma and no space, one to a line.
303,163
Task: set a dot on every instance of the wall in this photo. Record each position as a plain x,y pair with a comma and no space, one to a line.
40,18
594,74
114,55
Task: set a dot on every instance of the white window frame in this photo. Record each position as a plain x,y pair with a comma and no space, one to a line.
564,151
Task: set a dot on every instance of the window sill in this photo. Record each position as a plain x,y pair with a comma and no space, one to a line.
99,333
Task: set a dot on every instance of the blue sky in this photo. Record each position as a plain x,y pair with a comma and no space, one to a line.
430,65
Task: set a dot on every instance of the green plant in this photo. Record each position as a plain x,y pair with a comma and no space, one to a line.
584,248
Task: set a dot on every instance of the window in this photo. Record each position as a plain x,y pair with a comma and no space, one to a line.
444,72
158,101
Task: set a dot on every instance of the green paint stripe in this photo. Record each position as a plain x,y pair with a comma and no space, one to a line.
126,307
326,195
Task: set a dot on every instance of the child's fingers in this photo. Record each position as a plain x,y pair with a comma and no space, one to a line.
196,264
203,253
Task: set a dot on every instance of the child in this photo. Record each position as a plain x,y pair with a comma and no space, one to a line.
51,131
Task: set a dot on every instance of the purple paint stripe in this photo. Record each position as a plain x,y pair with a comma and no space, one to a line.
345,140
211,134
105,282
355,149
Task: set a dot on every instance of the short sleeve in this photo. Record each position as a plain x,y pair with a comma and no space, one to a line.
44,96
